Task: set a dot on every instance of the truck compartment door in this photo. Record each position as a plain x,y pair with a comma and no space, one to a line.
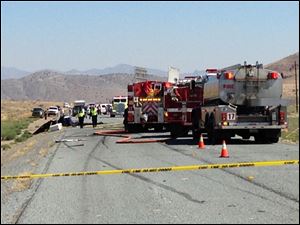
160,115
137,115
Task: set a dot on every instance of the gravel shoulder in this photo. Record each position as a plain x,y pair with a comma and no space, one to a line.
31,156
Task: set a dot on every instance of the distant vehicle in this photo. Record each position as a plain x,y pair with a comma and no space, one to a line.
53,110
38,112
119,104
77,105
103,108
66,105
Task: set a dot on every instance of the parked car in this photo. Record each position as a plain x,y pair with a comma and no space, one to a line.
53,110
38,112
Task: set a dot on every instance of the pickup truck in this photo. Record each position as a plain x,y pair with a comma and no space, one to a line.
53,110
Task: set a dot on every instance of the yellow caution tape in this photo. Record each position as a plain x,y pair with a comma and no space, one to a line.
159,169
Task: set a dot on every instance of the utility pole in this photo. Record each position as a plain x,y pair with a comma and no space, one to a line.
296,83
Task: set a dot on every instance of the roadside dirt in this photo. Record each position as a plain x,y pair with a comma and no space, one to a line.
30,156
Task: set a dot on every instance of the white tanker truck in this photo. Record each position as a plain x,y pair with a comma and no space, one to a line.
244,100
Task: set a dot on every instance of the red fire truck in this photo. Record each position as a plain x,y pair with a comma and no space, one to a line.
145,106
181,101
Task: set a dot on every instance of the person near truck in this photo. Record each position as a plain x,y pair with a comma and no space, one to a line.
125,121
94,115
81,117
46,114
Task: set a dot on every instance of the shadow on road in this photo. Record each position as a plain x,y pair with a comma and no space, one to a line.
188,140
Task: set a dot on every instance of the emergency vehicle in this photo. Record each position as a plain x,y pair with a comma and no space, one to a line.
146,106
119,104
244,100
180,101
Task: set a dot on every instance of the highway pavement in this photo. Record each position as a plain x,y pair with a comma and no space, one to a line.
236,195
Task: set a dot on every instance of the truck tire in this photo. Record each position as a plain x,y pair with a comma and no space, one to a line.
196,134
274,140
196,123
211,132
206,120
177,130
259,139
267,136
132,128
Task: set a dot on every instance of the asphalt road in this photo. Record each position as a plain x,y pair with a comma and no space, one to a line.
237,195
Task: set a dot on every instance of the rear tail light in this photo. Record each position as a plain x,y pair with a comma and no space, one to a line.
166,114
281,117
229,75
130,117
224,116
273,76
168,85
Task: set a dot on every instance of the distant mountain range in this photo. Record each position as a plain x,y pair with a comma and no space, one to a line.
54,86
14,73
120,68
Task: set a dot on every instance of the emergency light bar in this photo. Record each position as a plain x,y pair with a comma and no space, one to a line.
150,99
211,71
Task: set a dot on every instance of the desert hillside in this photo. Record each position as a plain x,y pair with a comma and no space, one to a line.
54,86
286,66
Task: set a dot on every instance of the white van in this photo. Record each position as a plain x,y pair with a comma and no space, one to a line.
103,109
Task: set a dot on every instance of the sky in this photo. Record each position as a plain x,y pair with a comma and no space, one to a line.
187,35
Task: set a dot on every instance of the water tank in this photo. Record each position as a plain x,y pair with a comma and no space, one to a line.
251,86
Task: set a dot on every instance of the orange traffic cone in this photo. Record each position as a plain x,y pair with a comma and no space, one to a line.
224,152
201,142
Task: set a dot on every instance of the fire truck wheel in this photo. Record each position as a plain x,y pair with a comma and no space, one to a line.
206,120
259,139
211,132
133,128
274,139
196,134
177,131
196,118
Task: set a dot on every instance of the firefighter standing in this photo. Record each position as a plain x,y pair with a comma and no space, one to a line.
46,113
81,117
94,114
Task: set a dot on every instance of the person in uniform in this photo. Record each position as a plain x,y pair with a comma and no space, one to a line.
81,117
94,115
